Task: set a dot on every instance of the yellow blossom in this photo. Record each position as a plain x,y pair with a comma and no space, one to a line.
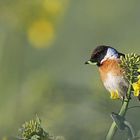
136,87
41,33
54,7
114,95
138,77
138,70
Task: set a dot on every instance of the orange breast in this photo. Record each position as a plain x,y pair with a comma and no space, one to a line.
110,66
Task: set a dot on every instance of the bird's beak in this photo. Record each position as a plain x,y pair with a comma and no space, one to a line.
90,62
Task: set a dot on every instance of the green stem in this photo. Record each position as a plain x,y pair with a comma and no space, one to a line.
130,128
122,112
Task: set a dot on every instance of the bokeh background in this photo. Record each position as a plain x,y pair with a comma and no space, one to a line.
43,47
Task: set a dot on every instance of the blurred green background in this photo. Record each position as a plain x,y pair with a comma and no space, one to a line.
43,47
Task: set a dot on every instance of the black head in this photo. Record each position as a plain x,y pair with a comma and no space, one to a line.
102,52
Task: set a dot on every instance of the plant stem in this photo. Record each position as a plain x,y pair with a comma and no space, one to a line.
130,128
122,112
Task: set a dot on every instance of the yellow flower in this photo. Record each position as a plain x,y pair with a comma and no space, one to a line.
139,77
138,70
136,87
54,7
114,95
41,33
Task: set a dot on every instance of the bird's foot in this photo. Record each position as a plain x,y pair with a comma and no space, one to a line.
125,99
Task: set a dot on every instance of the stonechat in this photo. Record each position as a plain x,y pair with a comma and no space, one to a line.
112,75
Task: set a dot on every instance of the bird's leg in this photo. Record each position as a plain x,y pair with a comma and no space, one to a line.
123,99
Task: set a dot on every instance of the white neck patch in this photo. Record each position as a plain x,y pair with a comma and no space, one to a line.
111,54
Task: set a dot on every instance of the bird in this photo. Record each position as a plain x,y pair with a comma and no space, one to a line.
107,59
